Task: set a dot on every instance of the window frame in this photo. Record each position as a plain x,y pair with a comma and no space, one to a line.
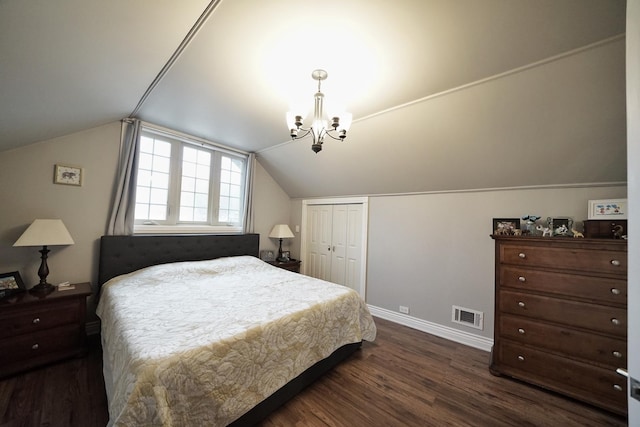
172,224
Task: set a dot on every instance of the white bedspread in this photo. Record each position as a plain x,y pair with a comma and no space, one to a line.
201,343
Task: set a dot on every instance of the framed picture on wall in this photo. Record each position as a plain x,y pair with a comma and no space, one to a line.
607,209
67,175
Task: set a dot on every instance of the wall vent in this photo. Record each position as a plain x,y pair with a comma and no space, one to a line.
468,317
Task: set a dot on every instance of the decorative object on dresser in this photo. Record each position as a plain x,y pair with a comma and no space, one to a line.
561,317
605,228
44,232
11,283
38,329
506,226
291,265
530,225
281,231
267,255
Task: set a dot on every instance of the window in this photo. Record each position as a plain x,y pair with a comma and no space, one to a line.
188,186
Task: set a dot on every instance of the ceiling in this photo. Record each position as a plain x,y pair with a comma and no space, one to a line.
419,77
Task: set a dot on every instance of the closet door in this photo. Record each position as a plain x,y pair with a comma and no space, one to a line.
319,229
346,245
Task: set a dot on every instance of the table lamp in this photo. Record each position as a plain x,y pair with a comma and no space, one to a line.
44,232
281,231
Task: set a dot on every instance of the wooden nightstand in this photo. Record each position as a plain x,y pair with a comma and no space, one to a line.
39,329
291,265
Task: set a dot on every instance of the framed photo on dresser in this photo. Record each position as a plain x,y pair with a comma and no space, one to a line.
11,283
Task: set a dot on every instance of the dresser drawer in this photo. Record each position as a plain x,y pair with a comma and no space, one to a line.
608,351
38,317
572,285
600,386
42,344
605,319
599,261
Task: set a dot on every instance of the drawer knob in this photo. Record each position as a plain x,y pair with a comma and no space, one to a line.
521,331
615,291
615,321
36,320
522,279
617,354
35,347
615,262
617,387
521,358
522,255
521,304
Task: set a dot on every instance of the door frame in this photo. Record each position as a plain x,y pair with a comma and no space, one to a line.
364,201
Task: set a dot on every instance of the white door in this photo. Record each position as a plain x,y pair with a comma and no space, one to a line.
334,244
633,193
318,233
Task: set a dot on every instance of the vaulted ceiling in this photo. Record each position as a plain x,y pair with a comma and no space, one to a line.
445,94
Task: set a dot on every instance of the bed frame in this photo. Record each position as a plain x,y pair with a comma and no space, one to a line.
125,254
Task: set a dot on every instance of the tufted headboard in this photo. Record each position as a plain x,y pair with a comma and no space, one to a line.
124,254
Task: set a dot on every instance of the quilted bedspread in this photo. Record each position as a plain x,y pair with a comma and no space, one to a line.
201,343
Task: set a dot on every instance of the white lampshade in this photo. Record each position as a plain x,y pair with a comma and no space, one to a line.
45,232
281,231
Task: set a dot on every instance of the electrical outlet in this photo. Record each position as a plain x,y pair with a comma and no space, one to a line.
404,309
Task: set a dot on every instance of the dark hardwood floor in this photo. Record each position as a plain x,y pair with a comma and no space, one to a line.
404,378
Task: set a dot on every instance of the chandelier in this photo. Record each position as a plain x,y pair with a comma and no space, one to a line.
319,129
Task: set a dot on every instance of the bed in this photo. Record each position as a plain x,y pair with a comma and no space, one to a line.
196,330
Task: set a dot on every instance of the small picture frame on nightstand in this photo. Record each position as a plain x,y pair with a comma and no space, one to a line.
286,256
267,255
11,283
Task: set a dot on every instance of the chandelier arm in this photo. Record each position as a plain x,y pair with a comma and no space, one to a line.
306,132
326,132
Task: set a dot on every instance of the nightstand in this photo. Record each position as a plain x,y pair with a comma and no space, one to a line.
291,265
38,329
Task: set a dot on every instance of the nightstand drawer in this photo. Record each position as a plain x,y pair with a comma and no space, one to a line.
37,318
594,317
600,349
43,344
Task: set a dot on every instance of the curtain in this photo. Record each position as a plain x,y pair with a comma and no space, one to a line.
123,210
248,212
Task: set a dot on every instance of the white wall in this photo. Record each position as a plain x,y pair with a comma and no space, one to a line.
432,251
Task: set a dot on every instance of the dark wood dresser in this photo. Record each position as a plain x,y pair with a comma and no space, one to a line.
39,329
561,317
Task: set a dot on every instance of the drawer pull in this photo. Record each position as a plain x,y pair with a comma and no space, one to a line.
615,262
521,331
36,320
522,304
522,279
521,358
617,387
35,347
523,255
615,291
615,321
617,354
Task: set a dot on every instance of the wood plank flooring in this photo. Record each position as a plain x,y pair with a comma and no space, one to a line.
404,378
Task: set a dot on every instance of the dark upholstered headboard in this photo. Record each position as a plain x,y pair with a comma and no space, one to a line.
124,254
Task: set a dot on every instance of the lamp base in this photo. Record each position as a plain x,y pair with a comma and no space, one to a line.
42,288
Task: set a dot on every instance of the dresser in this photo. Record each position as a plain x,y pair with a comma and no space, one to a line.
38,329
561,317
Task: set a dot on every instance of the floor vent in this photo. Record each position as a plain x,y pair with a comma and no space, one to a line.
465,316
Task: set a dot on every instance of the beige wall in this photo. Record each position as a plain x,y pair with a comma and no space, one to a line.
27,192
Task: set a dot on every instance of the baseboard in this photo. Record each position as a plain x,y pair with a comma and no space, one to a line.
466,338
